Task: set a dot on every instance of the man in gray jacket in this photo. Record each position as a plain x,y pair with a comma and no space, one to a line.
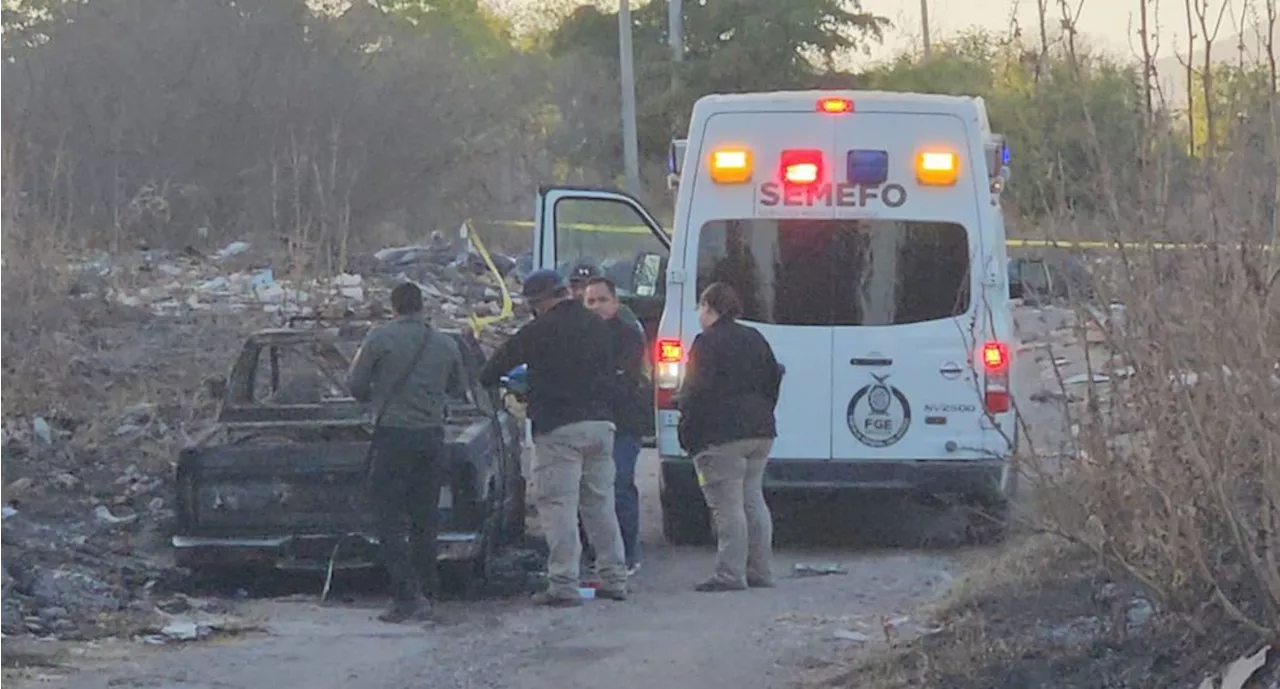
409,371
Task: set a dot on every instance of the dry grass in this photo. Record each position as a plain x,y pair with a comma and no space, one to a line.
1174,493
1035,618
1172,497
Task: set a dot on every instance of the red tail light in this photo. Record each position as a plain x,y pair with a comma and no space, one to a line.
668,357
995,356
995,362
669,352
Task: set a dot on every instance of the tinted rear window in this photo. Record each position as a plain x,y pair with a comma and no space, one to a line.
838,272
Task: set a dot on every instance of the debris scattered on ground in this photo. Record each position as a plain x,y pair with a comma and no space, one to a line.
189,628
1082,378
1239,671
851,635
87,494
817,570
454,277
103,513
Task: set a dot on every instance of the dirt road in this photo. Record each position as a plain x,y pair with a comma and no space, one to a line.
666,635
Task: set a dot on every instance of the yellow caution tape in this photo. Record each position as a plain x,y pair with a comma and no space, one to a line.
478,324
1158,246
1031,243
586,227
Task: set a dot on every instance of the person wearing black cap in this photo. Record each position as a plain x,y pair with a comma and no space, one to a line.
570,359
584,273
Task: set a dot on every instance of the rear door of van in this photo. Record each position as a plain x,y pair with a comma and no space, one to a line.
906,295
771,268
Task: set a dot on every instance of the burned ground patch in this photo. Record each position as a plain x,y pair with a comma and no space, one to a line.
1048,616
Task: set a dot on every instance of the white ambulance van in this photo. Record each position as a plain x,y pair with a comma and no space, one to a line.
863,233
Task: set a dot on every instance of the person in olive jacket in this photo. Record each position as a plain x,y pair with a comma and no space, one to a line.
727,424
410,371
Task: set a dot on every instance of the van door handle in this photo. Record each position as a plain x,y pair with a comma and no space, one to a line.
865,361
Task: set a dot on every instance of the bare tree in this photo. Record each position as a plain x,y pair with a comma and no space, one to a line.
173,121
1203,13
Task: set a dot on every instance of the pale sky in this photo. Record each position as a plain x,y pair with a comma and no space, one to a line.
1108,24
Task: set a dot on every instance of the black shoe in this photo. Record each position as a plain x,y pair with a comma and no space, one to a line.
612,594
760,583
715,585
401,611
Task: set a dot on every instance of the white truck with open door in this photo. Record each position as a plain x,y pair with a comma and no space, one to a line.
863,233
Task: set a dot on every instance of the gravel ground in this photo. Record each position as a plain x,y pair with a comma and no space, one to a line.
666,635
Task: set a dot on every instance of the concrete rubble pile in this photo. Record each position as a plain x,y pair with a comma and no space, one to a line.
455,279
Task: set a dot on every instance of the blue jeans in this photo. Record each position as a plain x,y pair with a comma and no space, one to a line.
626,499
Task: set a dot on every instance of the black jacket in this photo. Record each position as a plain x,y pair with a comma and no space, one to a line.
570,355
730,387
631,401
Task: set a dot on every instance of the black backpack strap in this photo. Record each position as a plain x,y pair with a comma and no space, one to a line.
398,385
391,393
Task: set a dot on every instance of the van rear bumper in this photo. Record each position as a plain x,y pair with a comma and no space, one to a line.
966,477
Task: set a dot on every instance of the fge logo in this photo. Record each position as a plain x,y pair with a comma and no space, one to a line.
879,414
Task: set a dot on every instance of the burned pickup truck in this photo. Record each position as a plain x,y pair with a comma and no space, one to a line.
278,482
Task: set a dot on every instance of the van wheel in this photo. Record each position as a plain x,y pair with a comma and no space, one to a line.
991,517
1014,481
682,528
990,524
687,524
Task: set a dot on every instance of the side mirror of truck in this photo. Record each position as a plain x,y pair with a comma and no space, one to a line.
1029,277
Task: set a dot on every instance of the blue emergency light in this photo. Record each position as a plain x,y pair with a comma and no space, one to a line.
868,167
1005,155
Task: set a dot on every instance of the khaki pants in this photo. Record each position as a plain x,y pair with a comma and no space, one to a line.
732,479
573,470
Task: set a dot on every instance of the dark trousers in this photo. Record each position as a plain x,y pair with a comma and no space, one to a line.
626,499
405,476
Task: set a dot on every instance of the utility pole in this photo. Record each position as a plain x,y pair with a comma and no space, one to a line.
630,147
675,36
924,27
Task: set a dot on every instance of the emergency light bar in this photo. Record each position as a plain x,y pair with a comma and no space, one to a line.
730,166
867,167
801,167
937,168
835,106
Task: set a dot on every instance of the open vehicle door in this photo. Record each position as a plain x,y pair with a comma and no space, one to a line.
617,234
614,232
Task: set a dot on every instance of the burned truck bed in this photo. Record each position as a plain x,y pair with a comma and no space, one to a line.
279,481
